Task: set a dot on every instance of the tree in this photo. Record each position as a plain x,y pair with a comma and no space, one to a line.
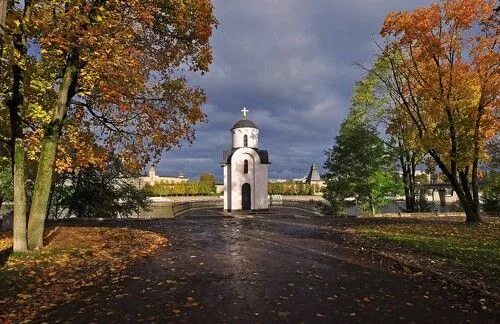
358,166
207,183
375,99
446,81
115,72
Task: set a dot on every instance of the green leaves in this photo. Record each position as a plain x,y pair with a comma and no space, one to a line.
358,165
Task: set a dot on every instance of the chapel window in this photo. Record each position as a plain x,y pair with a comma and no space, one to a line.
245,141
245,166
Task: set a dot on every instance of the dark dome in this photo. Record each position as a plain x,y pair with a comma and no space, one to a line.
244,123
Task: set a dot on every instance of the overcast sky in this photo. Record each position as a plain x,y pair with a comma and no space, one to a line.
291,63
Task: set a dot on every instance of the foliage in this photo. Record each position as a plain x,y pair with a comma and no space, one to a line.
358,166
491,193
91,193
129,90
445,78
207,183
288,188
187,188
6,189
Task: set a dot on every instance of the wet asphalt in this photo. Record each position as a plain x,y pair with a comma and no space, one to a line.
281,266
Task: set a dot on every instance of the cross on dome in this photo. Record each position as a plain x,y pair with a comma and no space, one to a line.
245,111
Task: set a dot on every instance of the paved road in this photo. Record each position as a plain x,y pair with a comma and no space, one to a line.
276,267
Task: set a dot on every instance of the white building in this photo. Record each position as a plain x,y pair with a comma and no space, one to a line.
245,169
153,178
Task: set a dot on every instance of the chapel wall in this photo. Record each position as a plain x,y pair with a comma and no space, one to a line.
261,190
238,178
239,135
227,192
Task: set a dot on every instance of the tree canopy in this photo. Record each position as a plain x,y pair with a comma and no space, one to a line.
445,80
358,166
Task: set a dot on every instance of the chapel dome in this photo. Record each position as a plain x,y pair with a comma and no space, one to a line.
244,123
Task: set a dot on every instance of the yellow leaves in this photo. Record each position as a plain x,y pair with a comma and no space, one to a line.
37,113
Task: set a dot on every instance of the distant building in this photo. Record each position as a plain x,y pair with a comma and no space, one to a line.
278,180
153,178
313,177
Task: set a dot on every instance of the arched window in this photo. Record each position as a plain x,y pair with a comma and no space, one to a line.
245,141
245,166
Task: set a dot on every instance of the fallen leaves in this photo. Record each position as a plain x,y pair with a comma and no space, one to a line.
74,258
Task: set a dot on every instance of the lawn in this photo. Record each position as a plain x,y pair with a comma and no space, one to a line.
473,246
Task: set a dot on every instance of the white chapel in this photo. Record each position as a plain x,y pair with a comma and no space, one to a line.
245,169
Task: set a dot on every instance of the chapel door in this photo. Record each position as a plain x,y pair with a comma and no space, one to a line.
246,197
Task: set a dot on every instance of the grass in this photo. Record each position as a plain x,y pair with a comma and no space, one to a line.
473,246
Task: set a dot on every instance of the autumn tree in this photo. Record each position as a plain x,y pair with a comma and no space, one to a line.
207,183
446,80
109,76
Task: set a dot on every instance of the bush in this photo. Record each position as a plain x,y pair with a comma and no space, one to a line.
93,193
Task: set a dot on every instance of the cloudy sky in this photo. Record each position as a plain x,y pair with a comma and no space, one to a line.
291,62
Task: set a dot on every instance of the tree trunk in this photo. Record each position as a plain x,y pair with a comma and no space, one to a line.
19,223
408,169
43,182
372,206
472,211
17,153
413,192
3,16
466,198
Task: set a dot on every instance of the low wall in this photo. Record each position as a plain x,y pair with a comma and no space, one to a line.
485,217
6,207
422,215
175,206
310,203
181,207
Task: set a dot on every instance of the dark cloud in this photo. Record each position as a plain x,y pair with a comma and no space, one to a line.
291,63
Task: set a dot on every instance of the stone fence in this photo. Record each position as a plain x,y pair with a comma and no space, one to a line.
175,206
309,203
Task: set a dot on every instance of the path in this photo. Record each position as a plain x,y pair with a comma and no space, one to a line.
277,267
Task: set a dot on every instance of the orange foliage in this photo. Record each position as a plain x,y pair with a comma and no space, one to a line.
447,76
131,97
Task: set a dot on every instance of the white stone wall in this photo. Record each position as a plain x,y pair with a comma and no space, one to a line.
227,188
257,177
239,134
